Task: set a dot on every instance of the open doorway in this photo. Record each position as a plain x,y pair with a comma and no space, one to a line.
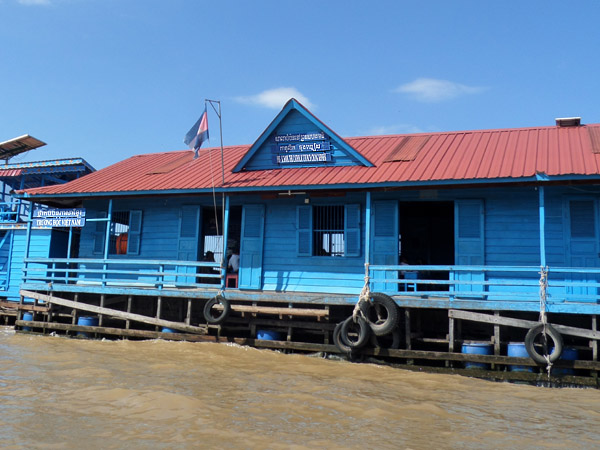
427,237
212,231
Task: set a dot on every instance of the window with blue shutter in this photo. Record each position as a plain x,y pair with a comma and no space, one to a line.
135,232
328,230
99,232
304,230
469,243
352,230
125,233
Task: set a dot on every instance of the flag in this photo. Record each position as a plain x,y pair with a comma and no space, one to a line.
198,133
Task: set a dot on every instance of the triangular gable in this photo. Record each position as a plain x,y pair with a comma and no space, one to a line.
296,138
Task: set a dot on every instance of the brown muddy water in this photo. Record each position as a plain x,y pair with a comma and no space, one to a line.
60,393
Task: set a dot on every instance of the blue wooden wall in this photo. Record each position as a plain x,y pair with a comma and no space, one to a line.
510,231
39,247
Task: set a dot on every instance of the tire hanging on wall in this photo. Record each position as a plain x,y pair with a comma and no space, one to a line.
390,341
381,312
354,334
535,339
343,348
221,314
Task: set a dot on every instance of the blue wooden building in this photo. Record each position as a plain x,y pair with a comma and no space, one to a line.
499,223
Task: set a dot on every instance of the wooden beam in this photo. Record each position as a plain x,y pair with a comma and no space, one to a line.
308,312
114,313
118,331
521,323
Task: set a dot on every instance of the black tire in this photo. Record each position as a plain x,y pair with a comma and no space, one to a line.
390,341
343,348
354,334
535,340
222,314
381,314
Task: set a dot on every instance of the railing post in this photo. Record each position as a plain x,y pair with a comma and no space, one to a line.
27,239
161,278
107,242
542,218
225,236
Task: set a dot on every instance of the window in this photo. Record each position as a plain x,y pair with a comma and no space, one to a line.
328,230
125,231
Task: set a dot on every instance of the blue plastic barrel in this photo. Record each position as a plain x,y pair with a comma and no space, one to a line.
477,348
568,354
268,335
518,350
87,321
27,317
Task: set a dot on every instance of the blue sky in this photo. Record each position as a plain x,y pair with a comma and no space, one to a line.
107,79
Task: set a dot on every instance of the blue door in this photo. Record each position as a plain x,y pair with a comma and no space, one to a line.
251,247
582,226
469,243
384,244
187,246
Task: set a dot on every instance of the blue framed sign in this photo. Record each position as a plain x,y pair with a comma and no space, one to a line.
301,148
53,217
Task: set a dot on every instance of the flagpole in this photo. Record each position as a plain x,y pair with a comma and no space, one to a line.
218,113
223,260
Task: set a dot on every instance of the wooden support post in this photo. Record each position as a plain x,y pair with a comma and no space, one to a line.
158,310
325,330
101,317
594,344
496,338
188,314
74,311
407,332
20,310
127,321
450,339
451,334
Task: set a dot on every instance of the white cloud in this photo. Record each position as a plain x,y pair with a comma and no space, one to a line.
34,2
432,90
275,98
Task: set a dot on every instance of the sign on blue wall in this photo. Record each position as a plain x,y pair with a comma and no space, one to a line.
53,217
299,148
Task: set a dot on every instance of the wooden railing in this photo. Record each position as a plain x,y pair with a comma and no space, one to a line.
154,274
491,283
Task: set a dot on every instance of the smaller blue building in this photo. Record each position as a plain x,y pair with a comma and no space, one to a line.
14,212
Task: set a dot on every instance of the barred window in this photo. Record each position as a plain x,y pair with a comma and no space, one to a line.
125,233
328,230
119,229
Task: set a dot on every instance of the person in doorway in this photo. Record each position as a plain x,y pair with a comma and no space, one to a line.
208,257
234,261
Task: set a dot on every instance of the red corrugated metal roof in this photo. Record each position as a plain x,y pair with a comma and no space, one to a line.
443,157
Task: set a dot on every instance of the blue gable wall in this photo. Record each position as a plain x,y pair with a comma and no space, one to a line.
296,123
296,138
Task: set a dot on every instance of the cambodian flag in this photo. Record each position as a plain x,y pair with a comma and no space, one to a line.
198,133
